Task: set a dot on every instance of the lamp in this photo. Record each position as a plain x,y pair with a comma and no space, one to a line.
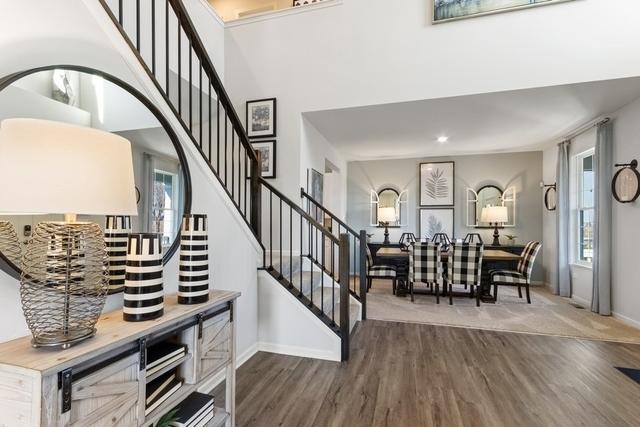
385,216
495,215
70,170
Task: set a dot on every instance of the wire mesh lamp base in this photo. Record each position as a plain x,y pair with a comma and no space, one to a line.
64,282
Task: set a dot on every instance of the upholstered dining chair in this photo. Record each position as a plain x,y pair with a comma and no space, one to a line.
464,267
425,266
522,275
380,272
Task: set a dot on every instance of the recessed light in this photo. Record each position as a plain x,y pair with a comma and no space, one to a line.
443,139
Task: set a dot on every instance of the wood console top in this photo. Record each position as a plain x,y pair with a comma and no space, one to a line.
112,332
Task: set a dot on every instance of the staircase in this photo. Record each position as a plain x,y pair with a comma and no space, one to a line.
323,269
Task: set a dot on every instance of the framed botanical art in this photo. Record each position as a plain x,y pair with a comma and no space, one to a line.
433,221
267,150
449,10
437,185
261,118
315,188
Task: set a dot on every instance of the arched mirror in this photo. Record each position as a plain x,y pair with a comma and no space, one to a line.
490,195
550,198
87,97
389,198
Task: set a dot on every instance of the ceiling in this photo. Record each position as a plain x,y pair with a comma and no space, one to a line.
523,120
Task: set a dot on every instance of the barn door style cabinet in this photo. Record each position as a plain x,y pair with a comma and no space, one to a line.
103,381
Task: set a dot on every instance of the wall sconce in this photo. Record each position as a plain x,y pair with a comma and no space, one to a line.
626,182
549,196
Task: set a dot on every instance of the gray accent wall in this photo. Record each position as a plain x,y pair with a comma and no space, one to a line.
520,170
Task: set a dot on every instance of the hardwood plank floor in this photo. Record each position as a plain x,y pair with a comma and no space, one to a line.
407,374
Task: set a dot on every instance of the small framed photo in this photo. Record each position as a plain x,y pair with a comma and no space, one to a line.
267,150
433,221
437,185
261,118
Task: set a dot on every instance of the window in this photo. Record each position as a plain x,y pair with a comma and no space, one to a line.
165,203
584,253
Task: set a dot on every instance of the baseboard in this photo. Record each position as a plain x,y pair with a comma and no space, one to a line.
583,302
208,385
290,350
629,321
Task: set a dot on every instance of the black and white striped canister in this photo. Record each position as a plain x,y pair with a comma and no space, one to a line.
194,260
143,290
116,234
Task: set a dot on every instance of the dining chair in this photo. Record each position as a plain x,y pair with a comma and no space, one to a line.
464,267
472,237
380,271
521,276
425,266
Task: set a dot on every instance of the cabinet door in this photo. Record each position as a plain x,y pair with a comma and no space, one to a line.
108,397
214,349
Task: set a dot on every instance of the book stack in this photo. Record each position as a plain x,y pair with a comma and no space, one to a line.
194,411
160,389
163,354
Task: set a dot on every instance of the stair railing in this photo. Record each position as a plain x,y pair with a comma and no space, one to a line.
357,278
167,45
287,235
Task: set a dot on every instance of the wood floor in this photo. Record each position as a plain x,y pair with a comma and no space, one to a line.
407,374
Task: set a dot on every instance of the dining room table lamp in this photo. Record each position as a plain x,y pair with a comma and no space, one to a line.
49,167
496,216
386,216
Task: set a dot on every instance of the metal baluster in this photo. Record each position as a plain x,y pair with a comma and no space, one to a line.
301,221
225,146
322,278
333,286
138,25
218,137
233,150
190,86
179,69
246,181
200,102
153,37
239,170
280,247
291,244
120,13
271,229
311,258
166,47
209,111
354,260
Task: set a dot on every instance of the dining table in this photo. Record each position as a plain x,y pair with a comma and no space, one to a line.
490,259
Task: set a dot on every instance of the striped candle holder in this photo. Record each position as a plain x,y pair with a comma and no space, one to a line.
116,234
194,260
143,291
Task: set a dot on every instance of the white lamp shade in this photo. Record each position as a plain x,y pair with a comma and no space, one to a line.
387,215
495,214
58,168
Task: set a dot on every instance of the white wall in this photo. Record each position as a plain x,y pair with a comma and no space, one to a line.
40,32
365,52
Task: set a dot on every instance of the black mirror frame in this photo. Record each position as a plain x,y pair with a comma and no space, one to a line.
380,192
7,265
546,198
633,165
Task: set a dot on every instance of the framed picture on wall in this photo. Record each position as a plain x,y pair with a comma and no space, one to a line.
315,188
434,221
449,10
437,186
267,150
261,118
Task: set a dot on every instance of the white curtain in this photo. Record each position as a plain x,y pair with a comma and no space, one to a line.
562,285
603,165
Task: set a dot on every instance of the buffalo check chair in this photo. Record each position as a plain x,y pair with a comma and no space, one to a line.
380,272
425,266
521,276
464,267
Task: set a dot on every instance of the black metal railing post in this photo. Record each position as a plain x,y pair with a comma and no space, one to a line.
363,273
256,197
345,322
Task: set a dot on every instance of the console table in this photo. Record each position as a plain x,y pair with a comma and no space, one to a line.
102,381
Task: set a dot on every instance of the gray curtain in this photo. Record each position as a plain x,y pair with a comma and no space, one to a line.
562,285
602,168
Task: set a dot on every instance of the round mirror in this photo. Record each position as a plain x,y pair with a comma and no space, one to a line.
489,195
550,198
387,198
626,183
86,97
